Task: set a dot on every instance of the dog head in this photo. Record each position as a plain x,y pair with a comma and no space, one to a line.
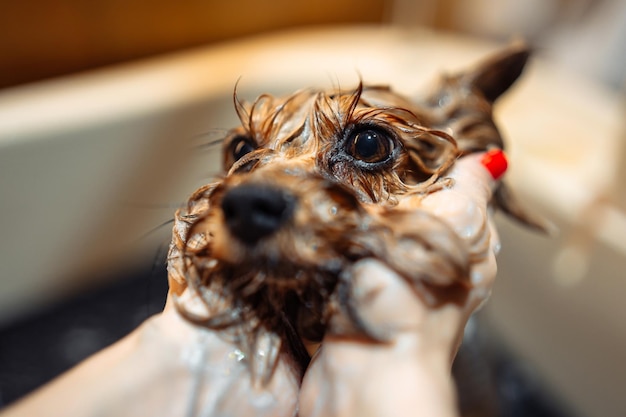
318,180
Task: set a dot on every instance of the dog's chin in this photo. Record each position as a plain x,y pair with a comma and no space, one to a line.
281,275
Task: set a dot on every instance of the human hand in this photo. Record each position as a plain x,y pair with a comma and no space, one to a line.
166,367
409,372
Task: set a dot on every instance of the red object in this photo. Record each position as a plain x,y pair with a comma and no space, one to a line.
495,162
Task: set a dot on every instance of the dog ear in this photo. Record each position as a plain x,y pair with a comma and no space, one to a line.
493,76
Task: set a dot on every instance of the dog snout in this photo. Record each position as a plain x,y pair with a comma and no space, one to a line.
253,212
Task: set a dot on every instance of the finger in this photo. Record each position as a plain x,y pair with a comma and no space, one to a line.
378,301
478,174
466,204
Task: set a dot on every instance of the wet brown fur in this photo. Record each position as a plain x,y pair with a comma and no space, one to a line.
290,283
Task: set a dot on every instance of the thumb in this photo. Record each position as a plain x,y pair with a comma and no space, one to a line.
475,178
375,300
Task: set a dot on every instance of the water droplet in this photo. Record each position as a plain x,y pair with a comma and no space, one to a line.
237,355
497,247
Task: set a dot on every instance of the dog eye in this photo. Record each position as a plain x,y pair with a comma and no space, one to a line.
370,146
241,146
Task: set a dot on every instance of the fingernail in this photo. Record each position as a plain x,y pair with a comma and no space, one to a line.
495,162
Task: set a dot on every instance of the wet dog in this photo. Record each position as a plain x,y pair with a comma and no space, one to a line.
319,180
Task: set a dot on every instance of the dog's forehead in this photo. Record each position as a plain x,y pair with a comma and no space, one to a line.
274,122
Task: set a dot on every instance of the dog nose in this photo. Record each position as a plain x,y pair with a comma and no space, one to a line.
253,212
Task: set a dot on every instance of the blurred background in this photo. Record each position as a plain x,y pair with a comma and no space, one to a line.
57,37
107,114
